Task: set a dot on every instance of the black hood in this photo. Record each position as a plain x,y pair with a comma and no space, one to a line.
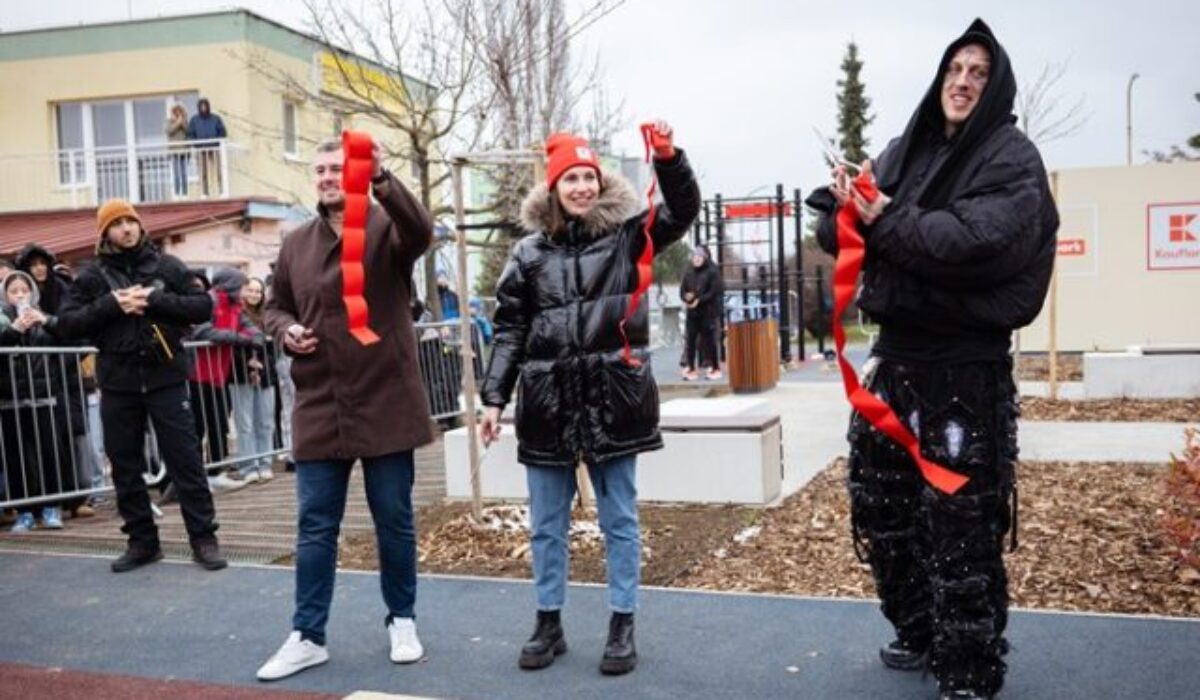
32,250
994,110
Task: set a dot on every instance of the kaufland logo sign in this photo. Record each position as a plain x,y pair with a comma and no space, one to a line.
1173,236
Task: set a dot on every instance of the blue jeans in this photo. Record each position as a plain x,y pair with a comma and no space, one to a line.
551,490
321,493
254,416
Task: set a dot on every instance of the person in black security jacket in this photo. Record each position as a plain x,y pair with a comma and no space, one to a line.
959,250
561,300
702,291
136,304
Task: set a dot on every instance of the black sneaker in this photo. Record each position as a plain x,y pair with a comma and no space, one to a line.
136,556
904,656
546,643
206,553
620,653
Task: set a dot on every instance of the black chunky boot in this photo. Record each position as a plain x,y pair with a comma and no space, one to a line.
620,654
964,694
546,643
903,656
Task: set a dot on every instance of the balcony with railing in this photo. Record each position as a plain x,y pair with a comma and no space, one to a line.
145,173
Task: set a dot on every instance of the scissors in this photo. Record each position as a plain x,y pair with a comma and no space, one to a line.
831,155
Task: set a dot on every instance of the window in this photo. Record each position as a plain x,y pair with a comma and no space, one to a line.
93,136
291,144
71,164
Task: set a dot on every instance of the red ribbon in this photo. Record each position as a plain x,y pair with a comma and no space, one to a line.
358,149
851,251
645,263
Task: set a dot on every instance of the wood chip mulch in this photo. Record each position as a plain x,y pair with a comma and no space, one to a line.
1036,368
1091,539
1127,410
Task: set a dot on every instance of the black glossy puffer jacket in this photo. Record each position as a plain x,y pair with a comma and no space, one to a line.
561,299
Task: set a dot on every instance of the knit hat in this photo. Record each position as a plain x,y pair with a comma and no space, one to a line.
109,212
563,152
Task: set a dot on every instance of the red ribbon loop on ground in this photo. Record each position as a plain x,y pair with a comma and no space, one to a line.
645,263
358,160
851,251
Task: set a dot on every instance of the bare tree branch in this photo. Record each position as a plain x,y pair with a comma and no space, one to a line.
1043,114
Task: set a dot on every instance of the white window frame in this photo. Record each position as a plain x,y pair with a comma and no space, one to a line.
292,108
89,140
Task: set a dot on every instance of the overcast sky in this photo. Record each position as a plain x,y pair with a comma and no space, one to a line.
744,81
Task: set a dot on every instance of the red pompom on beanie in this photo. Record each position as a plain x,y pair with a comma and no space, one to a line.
563,152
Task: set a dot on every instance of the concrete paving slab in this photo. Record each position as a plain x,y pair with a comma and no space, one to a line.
177,621
1099,442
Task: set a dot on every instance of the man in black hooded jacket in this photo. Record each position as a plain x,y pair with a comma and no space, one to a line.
959,249
136,304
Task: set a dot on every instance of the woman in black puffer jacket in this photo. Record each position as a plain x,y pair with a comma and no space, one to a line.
561,300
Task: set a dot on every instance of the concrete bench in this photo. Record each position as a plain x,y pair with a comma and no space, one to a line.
726,450
1151,372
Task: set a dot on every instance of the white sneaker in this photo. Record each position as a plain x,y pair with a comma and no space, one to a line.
406,648
265,474
294,656
225,482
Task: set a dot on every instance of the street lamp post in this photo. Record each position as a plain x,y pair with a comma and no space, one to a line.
1129,120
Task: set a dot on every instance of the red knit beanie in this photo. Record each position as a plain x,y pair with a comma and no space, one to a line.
563,152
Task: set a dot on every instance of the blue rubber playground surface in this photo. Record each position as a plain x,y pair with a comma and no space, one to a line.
174,621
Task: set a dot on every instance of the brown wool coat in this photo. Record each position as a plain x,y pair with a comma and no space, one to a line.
353,400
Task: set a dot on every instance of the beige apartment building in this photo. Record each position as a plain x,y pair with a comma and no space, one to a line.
85,119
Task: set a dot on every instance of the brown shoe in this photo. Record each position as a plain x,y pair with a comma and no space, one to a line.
207,553
136,556
84,511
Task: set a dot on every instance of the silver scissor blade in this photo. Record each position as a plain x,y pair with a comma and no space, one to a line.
831,155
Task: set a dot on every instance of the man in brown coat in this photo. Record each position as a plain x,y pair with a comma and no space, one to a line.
353,402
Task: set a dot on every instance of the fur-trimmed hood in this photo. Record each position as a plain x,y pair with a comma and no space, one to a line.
617,203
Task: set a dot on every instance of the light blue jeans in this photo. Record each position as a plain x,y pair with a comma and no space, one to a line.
287,400
254,416
551,491
95,436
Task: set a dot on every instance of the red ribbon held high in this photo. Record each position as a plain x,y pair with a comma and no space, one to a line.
358,150
645,263
851,251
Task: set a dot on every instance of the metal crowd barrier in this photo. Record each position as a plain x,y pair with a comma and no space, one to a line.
51,439
45,422
439,355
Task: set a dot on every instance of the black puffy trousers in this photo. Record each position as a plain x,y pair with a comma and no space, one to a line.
936,558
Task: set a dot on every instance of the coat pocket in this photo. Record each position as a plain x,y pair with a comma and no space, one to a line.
630,411
539,409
